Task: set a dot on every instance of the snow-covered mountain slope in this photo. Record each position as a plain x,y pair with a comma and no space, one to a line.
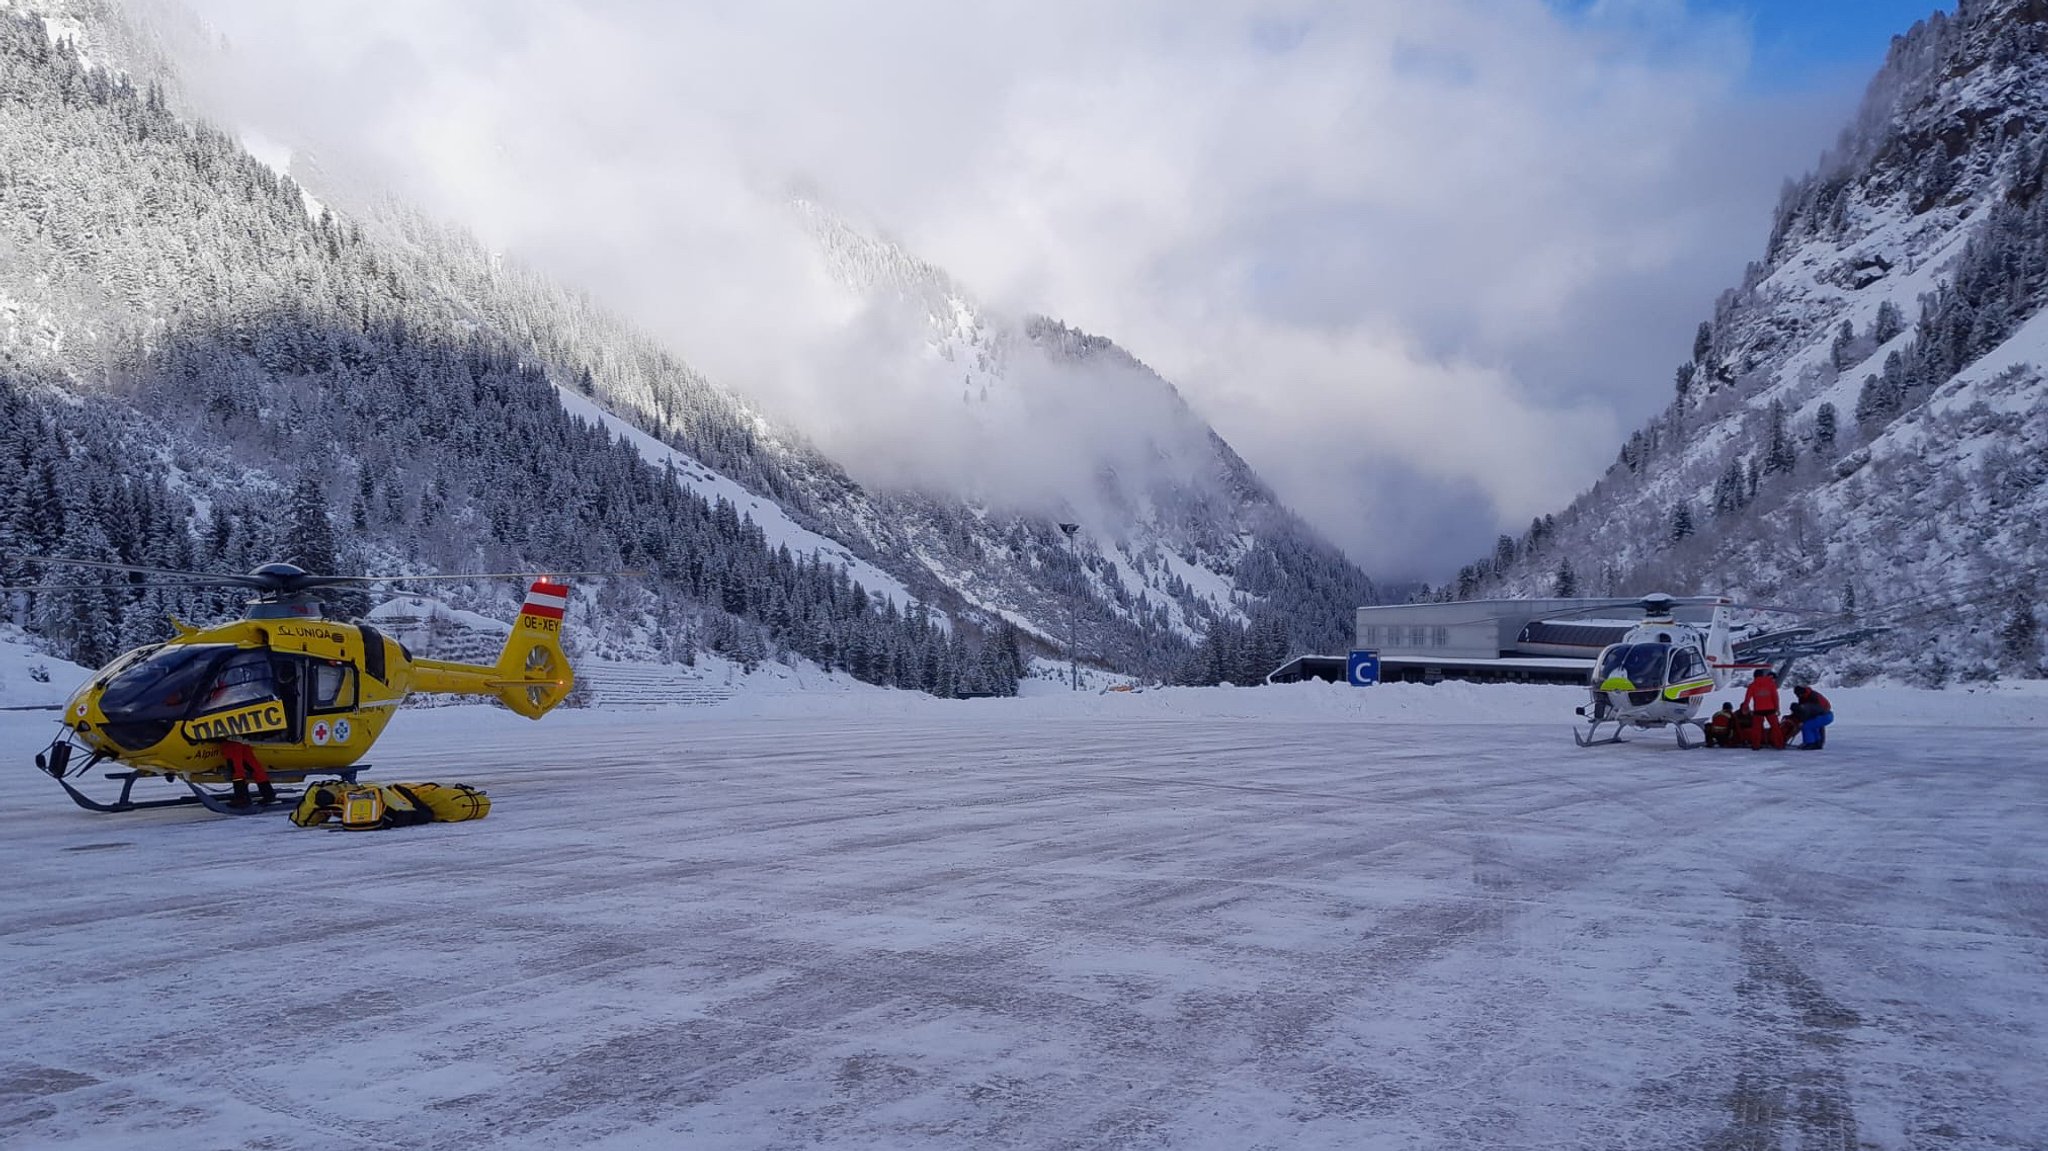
1861,424
170,298
1054,424
777,526
1177,534
198,373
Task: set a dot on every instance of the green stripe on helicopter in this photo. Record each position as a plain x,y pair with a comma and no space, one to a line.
1678,691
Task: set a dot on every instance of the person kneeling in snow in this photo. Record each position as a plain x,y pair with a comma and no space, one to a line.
1748,732
1721,727
1813,713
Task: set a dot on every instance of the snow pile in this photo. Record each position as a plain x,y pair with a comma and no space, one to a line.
30,679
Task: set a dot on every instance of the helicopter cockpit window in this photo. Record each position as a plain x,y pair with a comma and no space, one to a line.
245,678
333,687
142,700
1646,663
164,685
127,661
1611,660
1686,666
1642,664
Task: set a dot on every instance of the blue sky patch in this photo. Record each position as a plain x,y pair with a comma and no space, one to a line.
1803,43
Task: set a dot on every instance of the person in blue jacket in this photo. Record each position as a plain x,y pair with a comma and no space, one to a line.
1813,713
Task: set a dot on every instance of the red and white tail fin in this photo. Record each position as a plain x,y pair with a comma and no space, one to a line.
546,599
533,672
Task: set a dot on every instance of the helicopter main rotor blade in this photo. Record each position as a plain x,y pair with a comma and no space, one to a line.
187,577
1787,609
104,586
324,581
1635,605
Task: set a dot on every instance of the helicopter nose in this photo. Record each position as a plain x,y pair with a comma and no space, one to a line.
120,729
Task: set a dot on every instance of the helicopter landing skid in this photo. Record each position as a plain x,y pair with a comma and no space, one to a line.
220,804
124,803
213,801
1591,737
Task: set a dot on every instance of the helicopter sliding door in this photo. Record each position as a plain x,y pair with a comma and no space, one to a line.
304,688
1689,672
330,686
247,700
313,689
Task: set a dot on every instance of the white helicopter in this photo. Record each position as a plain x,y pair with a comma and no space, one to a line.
1661,671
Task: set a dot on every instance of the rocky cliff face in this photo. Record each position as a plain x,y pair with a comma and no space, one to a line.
1862,425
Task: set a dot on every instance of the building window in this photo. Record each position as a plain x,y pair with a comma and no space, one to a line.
1443,637
1418,636
1370,636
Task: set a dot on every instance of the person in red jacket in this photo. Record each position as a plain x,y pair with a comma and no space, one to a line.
1721,727
1762,701
1814,713
1747,734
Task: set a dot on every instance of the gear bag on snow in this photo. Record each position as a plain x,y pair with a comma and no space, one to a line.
449,802
369,807
362,808
354,805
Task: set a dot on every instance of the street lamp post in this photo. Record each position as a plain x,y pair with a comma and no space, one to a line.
1073,609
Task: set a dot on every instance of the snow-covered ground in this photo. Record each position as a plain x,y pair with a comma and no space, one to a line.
1303,917
30,679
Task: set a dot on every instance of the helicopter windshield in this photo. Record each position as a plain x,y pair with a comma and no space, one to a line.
244,679
1642,664
143,700
124,662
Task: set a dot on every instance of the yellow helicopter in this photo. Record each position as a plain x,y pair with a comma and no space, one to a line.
279,695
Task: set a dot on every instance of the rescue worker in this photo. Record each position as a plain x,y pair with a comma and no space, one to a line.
1762,701
244,768
1747,733
1814,713
1721,727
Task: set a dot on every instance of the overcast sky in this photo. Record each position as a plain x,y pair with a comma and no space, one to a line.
1423,263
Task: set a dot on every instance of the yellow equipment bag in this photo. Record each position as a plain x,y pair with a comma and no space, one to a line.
449,803
321,803
368,807
401,807
362,807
